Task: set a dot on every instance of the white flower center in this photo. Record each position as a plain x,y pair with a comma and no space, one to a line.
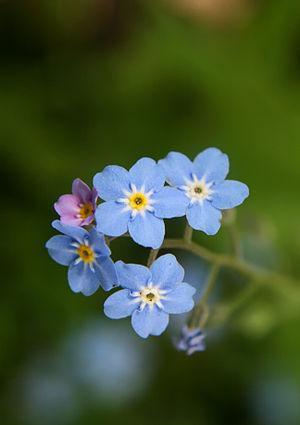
150,295
197,190
137,201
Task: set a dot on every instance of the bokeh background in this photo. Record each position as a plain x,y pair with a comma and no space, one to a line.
87,83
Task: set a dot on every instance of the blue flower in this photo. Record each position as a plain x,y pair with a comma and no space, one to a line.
150,295
137,202
87,256
205,188
191,340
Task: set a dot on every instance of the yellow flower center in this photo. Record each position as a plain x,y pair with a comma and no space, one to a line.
86,210
86,254
150,295
138,201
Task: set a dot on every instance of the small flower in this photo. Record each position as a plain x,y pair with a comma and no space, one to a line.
150,295
77,209
191,340
87,256
205,188
137,202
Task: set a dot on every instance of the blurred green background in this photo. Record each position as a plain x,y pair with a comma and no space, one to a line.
88,83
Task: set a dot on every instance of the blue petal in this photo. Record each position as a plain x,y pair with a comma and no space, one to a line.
204,217
146,172
132,276
111,218
178,168
213,164
111,183
106,271
229,194
180,300
83,279
60,250
170,203
120,305
166,271
147,230
97,242
77,233
149,321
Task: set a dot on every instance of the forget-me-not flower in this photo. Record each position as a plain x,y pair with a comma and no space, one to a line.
191,340
136,201
205,188
77,209
150,295
87,256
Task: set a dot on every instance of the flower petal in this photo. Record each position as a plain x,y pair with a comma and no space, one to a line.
170,203
149,321
94,196
83,279
178,168
146,172
111,183
82,191
147,230
112,219
71,220
60,249
106,271
67,204
213,164
229,194
180,300
204,217
74,232
120,305
166,271
132,276
97,242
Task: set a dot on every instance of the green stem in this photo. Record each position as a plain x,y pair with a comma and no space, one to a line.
282,283
188,233
235,240
229,220
224,312
152,256
201,311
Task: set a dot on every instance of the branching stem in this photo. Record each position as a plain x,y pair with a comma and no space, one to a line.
201,310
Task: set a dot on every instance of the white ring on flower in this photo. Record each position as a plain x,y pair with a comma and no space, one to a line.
150,295
137,201
197,190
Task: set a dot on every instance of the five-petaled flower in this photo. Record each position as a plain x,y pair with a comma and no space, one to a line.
150,295
136,201
78,208
205,188
87,256
191,340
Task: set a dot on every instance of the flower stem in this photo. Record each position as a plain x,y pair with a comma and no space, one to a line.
235,240
224,312
188,233
152,256
229,219
201,310
287,285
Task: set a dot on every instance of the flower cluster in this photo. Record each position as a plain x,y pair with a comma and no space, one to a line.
136,202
